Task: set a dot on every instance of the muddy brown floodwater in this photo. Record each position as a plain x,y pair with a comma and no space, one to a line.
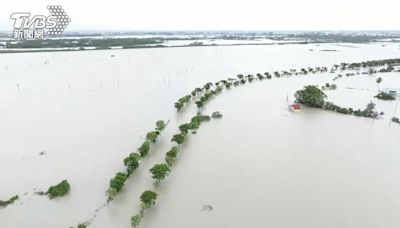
258,166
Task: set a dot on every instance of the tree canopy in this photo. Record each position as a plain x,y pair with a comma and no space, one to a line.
59,190
144,149
160,171
148,198
116,185
311,96
132,162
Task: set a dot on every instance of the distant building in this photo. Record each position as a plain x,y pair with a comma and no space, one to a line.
392,92
295,107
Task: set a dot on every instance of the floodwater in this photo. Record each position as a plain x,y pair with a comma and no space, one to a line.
258,166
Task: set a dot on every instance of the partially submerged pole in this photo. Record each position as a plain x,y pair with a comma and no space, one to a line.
391,120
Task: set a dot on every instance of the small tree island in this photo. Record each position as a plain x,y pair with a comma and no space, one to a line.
311,96
59,190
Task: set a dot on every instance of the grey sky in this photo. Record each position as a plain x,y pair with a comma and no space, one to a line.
217,14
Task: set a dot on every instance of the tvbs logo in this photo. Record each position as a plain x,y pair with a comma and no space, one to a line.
33,27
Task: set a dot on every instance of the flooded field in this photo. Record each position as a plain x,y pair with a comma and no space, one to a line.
258,166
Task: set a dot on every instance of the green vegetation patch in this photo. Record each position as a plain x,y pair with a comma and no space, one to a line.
311,96
9,201
59,190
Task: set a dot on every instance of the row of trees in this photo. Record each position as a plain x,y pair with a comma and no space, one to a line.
197,91
160,171
58,190
370,64
4,204
369,110
375,66
206,93
132,161
312,96
370,72
182,101
148,199
207,96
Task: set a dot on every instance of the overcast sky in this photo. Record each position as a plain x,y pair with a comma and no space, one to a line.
216,14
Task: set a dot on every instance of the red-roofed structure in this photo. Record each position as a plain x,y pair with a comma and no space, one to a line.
295,107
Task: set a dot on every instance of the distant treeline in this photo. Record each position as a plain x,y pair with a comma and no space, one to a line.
159,38
340,38
83,42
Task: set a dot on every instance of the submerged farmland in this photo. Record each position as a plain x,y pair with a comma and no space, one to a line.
259,162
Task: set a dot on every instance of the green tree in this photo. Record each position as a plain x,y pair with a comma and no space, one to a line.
184,128
195,122
59,190
370,107
159,172
118,181
136,220
9,201
132,162
311,96
111,193
160,125
116,184
207,85
184,99
152,136
148,199
173,151
178,105
171,155
196,91
179,138
144,149
199,104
